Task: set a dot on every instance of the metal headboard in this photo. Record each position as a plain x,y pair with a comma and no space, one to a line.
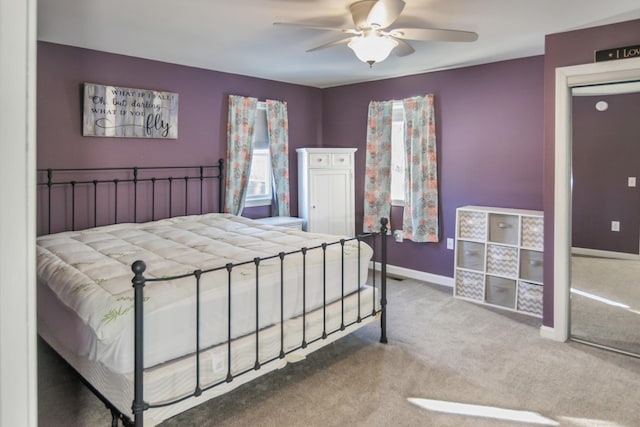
93,194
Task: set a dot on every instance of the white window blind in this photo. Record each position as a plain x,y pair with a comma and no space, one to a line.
259,189
397,155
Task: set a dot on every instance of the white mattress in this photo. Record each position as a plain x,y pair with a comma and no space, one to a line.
89,272
177,378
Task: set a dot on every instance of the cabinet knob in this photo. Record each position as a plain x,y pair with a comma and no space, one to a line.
314,206
320,160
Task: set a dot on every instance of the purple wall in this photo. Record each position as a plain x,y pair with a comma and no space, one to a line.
489,128
489,136
202,112
563,49
605,142
490,125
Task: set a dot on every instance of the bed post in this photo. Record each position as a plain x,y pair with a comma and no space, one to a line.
138,405
220,185
383,281
49,184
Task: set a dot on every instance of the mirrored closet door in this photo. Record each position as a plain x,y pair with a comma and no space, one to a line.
605,219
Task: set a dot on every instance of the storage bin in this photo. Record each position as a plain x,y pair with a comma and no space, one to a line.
532,232
472,225
501,292
530,298
502,260
470,255
469,285
503,228
531,266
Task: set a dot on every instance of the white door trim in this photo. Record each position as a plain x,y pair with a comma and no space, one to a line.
566,79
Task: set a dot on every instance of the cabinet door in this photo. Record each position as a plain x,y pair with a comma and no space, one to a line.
330,202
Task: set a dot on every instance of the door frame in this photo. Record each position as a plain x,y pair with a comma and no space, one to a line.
18,342
566,79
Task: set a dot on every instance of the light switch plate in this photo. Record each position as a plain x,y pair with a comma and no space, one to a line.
615,225
449,243
632,181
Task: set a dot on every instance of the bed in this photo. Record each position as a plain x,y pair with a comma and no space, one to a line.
160,313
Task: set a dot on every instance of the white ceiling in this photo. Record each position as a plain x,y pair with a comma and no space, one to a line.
237,36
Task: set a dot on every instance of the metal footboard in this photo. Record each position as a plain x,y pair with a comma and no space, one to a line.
139,281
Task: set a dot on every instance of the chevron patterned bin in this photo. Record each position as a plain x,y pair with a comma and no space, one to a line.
502,260
532,232
469,285
530,298
472,225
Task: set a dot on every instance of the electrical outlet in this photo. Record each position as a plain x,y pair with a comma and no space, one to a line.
449,243
615,225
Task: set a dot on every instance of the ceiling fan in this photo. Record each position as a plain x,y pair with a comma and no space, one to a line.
372,40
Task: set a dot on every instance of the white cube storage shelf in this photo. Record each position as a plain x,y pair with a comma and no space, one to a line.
498,257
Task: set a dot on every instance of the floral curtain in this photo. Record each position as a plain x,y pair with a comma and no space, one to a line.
240,125
420,217
377,180
278,129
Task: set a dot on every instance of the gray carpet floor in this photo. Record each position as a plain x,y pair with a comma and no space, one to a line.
439,348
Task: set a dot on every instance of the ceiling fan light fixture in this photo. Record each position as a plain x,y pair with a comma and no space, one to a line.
372,49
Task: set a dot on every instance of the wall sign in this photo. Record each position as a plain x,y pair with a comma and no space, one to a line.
617,53
113,111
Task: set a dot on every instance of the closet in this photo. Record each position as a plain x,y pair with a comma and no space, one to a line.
326,190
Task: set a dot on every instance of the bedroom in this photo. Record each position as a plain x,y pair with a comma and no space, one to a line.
333,115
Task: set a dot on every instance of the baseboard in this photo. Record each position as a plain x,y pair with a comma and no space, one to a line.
550,333
604,254
418,275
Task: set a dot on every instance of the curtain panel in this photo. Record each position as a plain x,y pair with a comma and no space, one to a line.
240,126
278,129
377,180
420,216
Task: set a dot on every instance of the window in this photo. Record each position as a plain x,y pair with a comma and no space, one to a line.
259,188
397,155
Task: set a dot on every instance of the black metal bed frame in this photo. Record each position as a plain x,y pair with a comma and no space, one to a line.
139,405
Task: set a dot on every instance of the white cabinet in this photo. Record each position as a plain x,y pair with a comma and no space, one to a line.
498,257
326,190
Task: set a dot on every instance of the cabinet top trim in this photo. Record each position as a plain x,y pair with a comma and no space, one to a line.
501,210
312,150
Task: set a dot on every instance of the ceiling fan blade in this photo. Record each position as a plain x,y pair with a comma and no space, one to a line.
316,26
432,34
385,12
403,48
331,44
